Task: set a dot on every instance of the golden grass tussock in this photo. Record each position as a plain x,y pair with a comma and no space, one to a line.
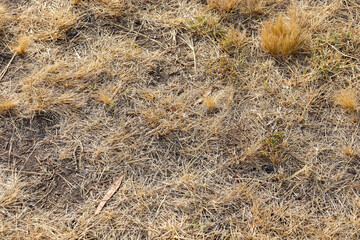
22,44
75,2
284,36
225,5
347,98
348,150
210,102
7,104
104,97
42,99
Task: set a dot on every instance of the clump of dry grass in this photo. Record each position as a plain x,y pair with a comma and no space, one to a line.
104,97
347,98
348,150
284,36
75,2
234,40
49,22
11,192
7,104
225,5
112,8
206,24
22,44
210,102
244,6
252,7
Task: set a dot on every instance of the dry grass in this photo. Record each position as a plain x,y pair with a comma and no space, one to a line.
216,138
234,40
2,13
225,5
22,44
48,22
7,105
347,98
250,7
112,8
253,7
210,102
284,36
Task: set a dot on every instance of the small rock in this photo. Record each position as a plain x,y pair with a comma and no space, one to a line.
268,168
73,33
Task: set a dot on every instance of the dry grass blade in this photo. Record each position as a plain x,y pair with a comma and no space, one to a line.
22,44
190,43
3,72
113,188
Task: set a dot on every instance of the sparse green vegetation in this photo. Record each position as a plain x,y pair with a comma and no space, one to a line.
227,119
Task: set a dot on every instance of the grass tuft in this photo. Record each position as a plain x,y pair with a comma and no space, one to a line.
249,7
75,2
103,97
223,5
347,98
112,8
348,150
205,24
22,44
210,102
283,36
7,105
234,40
10,192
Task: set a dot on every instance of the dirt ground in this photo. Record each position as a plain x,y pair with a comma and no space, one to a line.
232,119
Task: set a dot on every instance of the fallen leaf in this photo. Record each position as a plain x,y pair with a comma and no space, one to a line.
114,187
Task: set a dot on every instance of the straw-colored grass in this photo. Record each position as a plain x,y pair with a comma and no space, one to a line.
284,36
216,138
347,98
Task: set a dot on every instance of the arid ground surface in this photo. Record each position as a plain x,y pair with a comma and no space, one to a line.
232,119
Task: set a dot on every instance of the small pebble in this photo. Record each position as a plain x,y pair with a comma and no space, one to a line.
73,33
268,168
